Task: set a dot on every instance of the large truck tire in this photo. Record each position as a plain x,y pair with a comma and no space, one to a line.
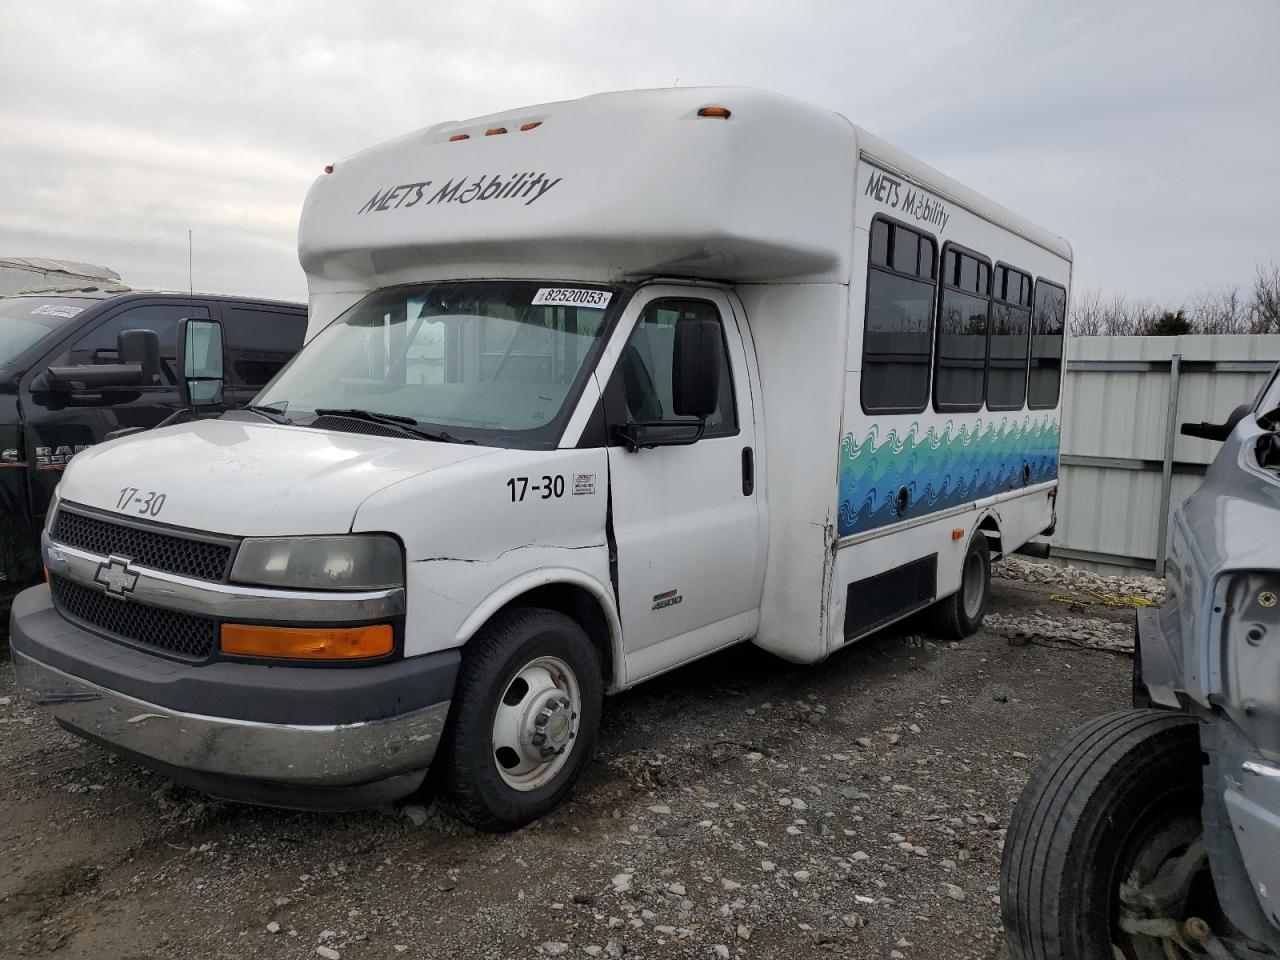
524,717
1116,803
960,615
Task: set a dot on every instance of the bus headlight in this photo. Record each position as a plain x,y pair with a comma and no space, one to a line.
369,561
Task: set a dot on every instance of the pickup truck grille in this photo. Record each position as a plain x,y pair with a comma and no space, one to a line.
158,550
182,635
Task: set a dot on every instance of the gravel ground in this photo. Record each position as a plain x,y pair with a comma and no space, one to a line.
740,807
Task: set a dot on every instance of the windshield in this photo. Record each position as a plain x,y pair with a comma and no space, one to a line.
26,320
495,361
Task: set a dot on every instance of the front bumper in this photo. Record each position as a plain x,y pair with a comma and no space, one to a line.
305,737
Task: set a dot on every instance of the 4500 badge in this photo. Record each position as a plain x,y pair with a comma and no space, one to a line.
549,487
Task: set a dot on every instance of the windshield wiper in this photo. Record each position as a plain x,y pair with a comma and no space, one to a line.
407,424
269,411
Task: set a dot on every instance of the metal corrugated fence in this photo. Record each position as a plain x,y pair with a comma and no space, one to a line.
1124,466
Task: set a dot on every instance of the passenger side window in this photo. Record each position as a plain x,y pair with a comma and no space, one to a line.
260,342
960,364
1010,331
1048,323
644,369
101,345
898,337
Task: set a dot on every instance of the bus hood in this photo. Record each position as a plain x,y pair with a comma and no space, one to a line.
250,479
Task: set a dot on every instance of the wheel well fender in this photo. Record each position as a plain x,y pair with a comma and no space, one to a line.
575,594
989,526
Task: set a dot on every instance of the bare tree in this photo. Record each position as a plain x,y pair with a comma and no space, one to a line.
1086,314
1218,310
1264,310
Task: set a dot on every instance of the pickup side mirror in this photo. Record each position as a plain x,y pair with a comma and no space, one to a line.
143,348
695,368
1216,431
138,353
200,359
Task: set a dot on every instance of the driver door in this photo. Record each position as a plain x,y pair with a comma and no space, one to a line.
686,519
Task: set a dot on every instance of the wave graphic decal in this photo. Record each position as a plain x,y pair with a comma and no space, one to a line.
940,468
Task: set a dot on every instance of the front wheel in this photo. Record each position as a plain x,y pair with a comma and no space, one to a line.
524,717
1104,857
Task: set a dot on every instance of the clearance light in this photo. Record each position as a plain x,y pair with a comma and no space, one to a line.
328,168
957,533
721,112
495,131
307,643
460,136
530,125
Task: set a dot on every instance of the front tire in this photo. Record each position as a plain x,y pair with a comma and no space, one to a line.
1119,800
524,717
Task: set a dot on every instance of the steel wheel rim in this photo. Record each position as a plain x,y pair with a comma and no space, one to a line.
973,586
537,690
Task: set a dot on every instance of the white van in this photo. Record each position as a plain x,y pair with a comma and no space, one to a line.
592,389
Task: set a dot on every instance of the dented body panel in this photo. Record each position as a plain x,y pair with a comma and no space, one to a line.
1214,649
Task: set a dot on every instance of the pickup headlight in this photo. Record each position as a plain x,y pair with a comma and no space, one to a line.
371,561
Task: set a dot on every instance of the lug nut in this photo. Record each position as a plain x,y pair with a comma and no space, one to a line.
539,738
540,720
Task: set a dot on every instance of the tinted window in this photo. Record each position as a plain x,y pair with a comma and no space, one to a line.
1049,320
102,344
961,357
645,368
1010,329
880,243
259,342
898,336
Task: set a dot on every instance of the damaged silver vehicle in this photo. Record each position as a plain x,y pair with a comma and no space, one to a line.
1155,832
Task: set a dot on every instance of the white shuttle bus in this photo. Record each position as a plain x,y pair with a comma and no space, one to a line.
592,389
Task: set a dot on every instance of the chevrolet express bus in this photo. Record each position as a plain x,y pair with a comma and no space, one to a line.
592,389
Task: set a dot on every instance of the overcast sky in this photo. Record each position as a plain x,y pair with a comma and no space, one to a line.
1146,133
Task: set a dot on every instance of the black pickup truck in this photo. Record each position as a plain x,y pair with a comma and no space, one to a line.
79,365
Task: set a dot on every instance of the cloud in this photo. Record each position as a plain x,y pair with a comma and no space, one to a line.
1144,132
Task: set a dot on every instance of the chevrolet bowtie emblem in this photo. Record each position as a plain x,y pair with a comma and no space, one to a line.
114,574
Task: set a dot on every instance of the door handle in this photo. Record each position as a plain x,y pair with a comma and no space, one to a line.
748,472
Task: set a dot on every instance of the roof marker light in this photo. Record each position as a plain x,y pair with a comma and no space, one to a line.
721,112
494,131
460,136
530,125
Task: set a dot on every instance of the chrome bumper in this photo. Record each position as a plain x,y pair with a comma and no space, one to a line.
294,755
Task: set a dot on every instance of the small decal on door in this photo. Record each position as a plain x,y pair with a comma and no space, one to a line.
668,599
584,483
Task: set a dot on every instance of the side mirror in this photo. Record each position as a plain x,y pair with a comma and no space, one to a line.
1217,431
143,348
95,376
200,357
695,368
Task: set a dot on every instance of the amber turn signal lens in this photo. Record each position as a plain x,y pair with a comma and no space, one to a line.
721,112
307,643
459,136
957,533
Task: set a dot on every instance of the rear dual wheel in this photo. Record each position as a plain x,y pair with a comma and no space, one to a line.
960,615
524,718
